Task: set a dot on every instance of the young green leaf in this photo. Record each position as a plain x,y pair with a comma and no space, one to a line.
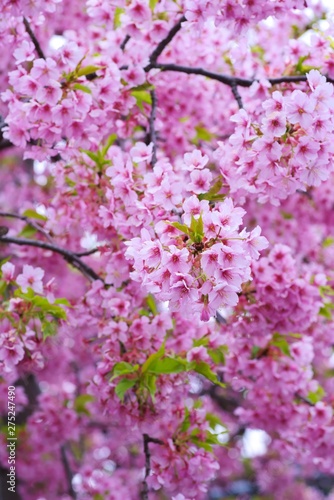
124,385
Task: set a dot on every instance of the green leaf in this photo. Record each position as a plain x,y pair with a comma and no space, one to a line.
83,88
255,351
181,227
218,355
202,341
81,401
201,444
110,141
197,229
124,385
45,306
325,311
87,70
32,214
326,290
154,357
92,156
286,215
329,241
62,301
151,384
141,96
203,134
315,397
28,231
299,65
150,301
168,365
69,182
123,368
117,17
153,3
98,496
204,369
49,329
213,420
280,341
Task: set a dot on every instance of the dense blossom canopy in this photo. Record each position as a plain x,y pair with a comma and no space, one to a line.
166,238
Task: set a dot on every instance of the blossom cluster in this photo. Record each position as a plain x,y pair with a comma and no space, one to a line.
287,148
200,263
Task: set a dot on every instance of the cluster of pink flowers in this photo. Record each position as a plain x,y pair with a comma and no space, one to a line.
197,271
284,149
146,200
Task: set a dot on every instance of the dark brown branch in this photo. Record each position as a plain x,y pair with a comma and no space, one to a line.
125,41
33,38
69,256
163,44
68,472
147,440
153,133
231,81
31,223
237,95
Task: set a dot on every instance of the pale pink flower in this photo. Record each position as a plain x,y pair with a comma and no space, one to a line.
141,152
200,181
25,52
31,278
300,108
195,159
8,270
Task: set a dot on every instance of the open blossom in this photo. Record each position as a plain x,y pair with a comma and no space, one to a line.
31,278
8,270
299,108
141,152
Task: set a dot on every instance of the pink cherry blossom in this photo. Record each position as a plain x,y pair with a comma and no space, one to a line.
31,278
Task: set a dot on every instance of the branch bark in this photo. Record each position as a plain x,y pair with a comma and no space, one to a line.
68,472
71,257
147,440
231,80
153,133
33,38
31,223
163,44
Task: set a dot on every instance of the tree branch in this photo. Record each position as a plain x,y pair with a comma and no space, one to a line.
163,44
71,257
31,223
231,81
147,440
33,38
125,41
237,95
153,133
68,471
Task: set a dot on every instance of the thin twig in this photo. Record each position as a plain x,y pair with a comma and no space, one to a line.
147,440
68,472
304,400
71,257
163,44
153,133
125,41
31,223
33,38
237,95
